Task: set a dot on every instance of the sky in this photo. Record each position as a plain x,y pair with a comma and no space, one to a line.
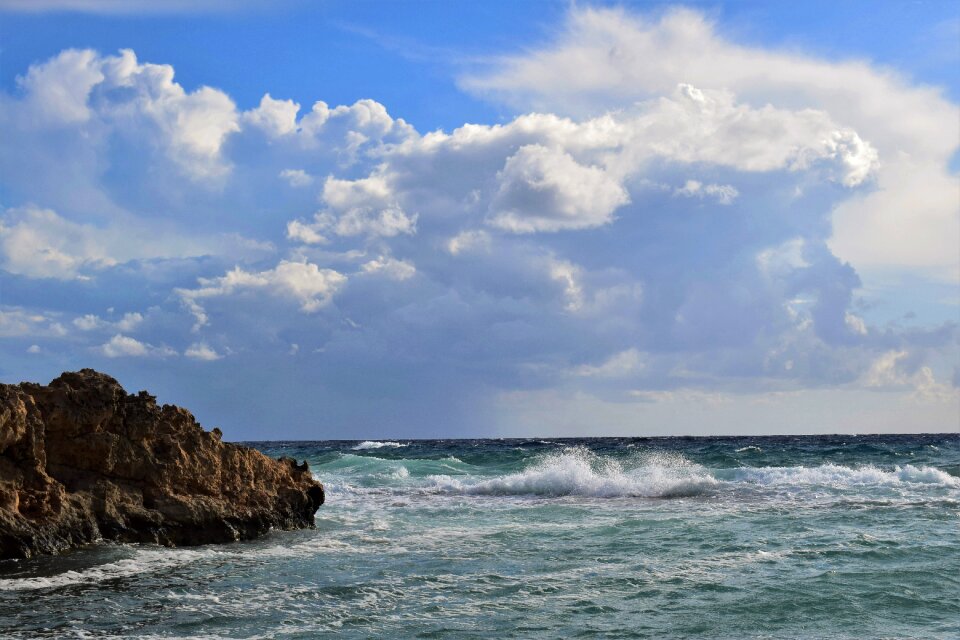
312,220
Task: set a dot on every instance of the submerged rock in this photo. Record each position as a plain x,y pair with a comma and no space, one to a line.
81,460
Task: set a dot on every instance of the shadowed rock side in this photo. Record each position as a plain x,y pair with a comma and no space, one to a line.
81,460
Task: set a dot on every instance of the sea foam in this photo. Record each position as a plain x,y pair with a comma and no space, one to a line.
144,561
578,472
837,476
375,444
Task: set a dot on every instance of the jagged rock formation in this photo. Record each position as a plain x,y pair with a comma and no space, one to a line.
81,460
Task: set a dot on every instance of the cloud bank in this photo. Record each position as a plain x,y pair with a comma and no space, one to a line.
683,218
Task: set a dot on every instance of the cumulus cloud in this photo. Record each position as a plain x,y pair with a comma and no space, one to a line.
904,134
390,268
364,207
893,370
275,117
570,248
121,346
118,94
547,190
202,351
304,282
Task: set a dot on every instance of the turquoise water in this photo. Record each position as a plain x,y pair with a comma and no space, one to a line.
792,537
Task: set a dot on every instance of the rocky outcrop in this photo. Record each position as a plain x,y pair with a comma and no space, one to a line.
81,460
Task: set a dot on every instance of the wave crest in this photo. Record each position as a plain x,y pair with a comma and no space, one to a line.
838,476
579,472
376,444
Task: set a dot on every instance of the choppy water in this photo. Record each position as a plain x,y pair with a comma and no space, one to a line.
792,537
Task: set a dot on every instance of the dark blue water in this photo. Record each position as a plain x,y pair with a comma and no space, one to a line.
776,537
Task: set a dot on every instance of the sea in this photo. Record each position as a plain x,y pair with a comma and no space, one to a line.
720,537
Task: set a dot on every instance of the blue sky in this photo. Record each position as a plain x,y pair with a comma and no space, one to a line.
503,219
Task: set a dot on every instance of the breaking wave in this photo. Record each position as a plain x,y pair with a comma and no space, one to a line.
375,444
578,472
833,475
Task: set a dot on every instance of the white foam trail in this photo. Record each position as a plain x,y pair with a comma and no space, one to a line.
375,444
748,448
578,472
145,561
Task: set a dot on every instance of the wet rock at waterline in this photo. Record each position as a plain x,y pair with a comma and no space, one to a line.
81,460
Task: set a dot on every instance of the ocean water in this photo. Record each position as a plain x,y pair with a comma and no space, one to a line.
779,537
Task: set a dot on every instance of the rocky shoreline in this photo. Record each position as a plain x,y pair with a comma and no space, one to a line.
81,460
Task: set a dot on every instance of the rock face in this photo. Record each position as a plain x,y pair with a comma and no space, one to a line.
82,460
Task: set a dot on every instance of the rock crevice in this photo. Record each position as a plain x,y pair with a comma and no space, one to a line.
82,460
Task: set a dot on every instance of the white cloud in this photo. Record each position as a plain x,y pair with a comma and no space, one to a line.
91,322
275,117
34,348
547,190
201,351
57,90
138,100
913,130
17,322
542,172
305,232
297,177
304,282
855,323
121,346
722,193
129,321
390,267
88,322
364,207
40,243
889,371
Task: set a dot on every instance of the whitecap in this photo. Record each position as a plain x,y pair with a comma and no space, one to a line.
579,472
375,444
838,476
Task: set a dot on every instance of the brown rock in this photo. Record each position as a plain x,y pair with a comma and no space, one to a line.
81,460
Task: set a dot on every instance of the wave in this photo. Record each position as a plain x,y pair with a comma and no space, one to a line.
748,448
145,561
376,444
579,472
837,476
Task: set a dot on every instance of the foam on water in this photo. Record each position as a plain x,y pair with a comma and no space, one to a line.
579,472
144,561
549,539
837,476
374,444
